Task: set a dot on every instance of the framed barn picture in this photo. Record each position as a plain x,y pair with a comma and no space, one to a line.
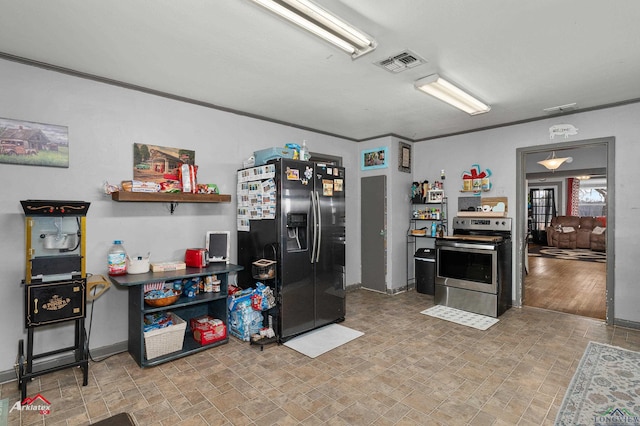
33,144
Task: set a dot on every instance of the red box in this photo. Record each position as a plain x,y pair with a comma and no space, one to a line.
194,322
208,330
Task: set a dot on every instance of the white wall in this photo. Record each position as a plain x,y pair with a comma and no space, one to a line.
104,122
496,149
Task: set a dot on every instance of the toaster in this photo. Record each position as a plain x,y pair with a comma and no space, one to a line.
196,257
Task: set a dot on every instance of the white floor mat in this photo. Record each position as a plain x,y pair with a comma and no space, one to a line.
481,322
316,342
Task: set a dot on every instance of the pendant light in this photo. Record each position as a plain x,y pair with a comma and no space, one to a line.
552,162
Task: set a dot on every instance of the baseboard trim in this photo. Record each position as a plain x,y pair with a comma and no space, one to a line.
627,324
97,354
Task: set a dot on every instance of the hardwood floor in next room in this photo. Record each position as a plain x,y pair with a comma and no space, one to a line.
570,286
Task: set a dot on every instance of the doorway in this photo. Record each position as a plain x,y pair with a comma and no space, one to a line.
542,207
373,231
523,229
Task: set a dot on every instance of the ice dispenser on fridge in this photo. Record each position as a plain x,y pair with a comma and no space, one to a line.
296,232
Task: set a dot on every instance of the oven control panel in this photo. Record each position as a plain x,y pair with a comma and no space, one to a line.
482,224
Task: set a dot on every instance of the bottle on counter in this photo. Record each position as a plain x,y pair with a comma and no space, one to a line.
117,259
304,151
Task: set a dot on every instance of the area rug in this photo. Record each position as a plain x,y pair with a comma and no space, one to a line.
605,388
568,254
316,342
481,322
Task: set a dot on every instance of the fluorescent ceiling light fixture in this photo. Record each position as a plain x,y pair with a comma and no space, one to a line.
323,24
585,177
440,88
552,162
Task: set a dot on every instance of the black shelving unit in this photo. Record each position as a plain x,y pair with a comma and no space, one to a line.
270,280
416,222
213,304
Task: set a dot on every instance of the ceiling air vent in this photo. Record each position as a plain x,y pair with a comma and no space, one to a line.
401,62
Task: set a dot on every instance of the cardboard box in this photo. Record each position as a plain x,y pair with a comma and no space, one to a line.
168,266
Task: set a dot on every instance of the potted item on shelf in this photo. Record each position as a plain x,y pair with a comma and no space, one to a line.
416,193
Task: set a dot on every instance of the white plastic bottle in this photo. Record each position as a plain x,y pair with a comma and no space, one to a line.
117,259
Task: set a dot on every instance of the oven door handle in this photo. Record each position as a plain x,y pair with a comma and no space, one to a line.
468,245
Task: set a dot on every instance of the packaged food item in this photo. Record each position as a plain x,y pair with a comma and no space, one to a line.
207,329
187,174
157,321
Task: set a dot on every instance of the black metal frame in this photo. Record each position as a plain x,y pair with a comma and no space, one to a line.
25,362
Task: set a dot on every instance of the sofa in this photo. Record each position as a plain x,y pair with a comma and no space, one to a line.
577,232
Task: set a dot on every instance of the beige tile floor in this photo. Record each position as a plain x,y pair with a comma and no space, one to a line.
407,369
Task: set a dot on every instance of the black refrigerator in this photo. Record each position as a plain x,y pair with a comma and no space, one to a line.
294,212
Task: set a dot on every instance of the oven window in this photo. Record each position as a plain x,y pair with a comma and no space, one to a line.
464,265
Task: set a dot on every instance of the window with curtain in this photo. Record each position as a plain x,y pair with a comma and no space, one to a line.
573,197
592,198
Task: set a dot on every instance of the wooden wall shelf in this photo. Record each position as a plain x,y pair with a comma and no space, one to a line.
475,190
169,197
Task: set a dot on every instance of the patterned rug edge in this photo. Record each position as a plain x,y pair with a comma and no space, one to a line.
584,255
578,377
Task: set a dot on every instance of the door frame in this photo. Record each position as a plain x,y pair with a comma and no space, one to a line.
521,215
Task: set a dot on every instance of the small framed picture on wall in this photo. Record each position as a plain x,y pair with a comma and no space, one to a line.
404,158
374,159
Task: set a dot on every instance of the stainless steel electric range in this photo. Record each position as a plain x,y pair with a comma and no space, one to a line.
473,266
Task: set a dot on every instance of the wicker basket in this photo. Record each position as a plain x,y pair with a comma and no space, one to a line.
264,269
165,301
165,340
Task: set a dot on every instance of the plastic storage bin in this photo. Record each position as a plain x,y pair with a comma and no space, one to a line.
165,340
264,155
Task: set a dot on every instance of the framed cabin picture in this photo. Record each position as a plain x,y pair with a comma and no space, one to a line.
33,144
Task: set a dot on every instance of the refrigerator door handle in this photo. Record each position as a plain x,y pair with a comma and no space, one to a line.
315,226
319,231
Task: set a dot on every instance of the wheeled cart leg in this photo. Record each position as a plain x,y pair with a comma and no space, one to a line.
24,363
82,351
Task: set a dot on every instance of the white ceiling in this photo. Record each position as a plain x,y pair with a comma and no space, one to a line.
520,57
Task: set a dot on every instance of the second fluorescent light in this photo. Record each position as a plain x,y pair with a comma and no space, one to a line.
322,23
440,88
